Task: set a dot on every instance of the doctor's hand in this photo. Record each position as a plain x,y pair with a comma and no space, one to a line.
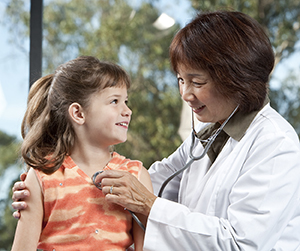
124,189
19,194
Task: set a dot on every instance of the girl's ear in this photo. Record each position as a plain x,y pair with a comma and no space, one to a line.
76,113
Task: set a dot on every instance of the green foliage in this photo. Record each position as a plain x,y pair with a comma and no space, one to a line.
288,94
7,223
113,31
18,21
9,147
9,156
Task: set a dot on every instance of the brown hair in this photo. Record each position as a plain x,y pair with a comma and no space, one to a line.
46,128
234,50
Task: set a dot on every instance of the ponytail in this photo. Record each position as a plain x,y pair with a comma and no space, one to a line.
39,146
37,102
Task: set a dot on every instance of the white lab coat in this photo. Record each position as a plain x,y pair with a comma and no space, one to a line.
247,200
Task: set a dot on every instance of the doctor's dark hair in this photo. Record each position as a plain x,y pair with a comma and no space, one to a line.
233,49
46,128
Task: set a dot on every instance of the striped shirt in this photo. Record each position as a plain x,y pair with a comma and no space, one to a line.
76,215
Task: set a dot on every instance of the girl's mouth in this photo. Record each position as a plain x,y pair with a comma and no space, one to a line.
124,124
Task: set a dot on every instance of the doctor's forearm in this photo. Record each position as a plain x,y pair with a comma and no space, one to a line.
171,226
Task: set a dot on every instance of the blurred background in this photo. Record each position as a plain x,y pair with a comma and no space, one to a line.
136,34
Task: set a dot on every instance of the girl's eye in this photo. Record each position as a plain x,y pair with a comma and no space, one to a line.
115,101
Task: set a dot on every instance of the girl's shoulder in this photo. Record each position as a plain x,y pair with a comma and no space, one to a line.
59,174
135,167
119,162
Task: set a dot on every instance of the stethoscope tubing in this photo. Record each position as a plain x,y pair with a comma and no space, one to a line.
187,165
193,158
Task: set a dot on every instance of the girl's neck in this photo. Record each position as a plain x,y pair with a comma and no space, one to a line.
91,160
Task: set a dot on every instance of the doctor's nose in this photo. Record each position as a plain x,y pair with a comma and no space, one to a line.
186,92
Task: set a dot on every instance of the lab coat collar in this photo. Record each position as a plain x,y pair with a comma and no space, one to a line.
239,123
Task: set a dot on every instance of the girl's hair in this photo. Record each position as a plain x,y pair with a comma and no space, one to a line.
233,49
46,128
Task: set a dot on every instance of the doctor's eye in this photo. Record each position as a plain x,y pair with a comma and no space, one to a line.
198,84
180,81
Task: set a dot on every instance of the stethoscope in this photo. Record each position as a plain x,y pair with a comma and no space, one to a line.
193,158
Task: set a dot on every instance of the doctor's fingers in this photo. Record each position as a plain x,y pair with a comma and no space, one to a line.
135,197
124,185
23,176
112,177
19,185
137,202
123,181
16,214
19,205
116,174
19,195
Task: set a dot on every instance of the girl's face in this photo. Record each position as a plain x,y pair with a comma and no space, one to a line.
197,89
107,117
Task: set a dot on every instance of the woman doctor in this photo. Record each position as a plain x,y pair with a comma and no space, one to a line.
244,193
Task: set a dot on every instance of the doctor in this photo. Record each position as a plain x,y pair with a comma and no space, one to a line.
244,194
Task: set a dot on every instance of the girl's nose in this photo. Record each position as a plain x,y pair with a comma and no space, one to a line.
126,111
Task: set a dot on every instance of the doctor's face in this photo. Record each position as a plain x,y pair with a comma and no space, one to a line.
198,90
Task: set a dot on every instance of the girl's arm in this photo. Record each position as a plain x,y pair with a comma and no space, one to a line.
138,232
30,224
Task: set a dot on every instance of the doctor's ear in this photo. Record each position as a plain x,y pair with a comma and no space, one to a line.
76,113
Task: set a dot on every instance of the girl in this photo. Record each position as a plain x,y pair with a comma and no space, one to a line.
72,119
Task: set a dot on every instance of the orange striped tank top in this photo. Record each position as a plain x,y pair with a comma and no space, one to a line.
76,215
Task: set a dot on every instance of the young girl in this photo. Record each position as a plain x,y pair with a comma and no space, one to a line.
73,118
